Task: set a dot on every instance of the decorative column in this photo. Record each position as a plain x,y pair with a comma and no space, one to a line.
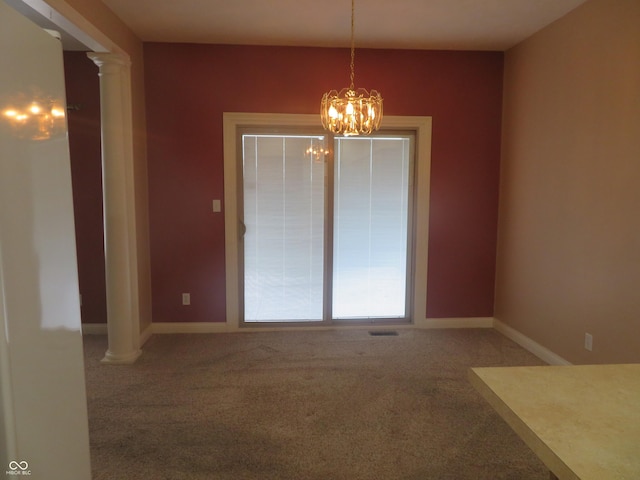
123,323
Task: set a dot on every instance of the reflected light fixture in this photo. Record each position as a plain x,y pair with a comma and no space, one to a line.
351,111
317,149
37,118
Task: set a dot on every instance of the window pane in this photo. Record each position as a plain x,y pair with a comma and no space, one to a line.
284,240
370,227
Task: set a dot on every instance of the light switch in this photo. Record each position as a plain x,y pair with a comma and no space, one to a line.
217,206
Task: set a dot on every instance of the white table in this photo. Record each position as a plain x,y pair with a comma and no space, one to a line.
582,421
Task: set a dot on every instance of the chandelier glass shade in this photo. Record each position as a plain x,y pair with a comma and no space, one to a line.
351,111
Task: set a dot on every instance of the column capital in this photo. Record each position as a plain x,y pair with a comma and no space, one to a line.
109,59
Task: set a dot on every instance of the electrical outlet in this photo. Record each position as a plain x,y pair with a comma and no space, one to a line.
186,299
588,341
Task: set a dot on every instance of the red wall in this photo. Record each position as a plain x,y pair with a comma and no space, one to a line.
188,87
83,90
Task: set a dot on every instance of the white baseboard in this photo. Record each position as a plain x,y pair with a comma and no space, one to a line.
94,328
532,346
181,327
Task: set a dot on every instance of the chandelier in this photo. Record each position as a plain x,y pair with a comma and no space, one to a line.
351,111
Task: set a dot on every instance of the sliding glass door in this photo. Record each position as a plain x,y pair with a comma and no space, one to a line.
326,230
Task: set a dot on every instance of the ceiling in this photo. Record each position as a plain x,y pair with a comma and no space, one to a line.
410,24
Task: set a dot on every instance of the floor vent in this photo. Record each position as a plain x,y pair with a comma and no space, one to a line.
383,333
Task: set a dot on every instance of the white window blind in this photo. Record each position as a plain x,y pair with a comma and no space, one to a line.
371,209
284,217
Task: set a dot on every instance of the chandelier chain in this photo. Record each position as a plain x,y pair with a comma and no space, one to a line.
353,45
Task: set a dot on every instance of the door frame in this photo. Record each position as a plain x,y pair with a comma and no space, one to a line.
233,121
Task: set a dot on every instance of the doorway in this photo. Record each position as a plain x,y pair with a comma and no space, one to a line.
414,130
327,227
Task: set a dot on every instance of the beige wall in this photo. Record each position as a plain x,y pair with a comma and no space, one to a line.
102,25
569,229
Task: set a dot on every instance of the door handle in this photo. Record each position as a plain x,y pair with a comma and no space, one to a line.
242,228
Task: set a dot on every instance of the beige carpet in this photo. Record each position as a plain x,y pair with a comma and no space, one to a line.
330,405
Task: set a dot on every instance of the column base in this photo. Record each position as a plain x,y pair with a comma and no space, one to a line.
121,358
